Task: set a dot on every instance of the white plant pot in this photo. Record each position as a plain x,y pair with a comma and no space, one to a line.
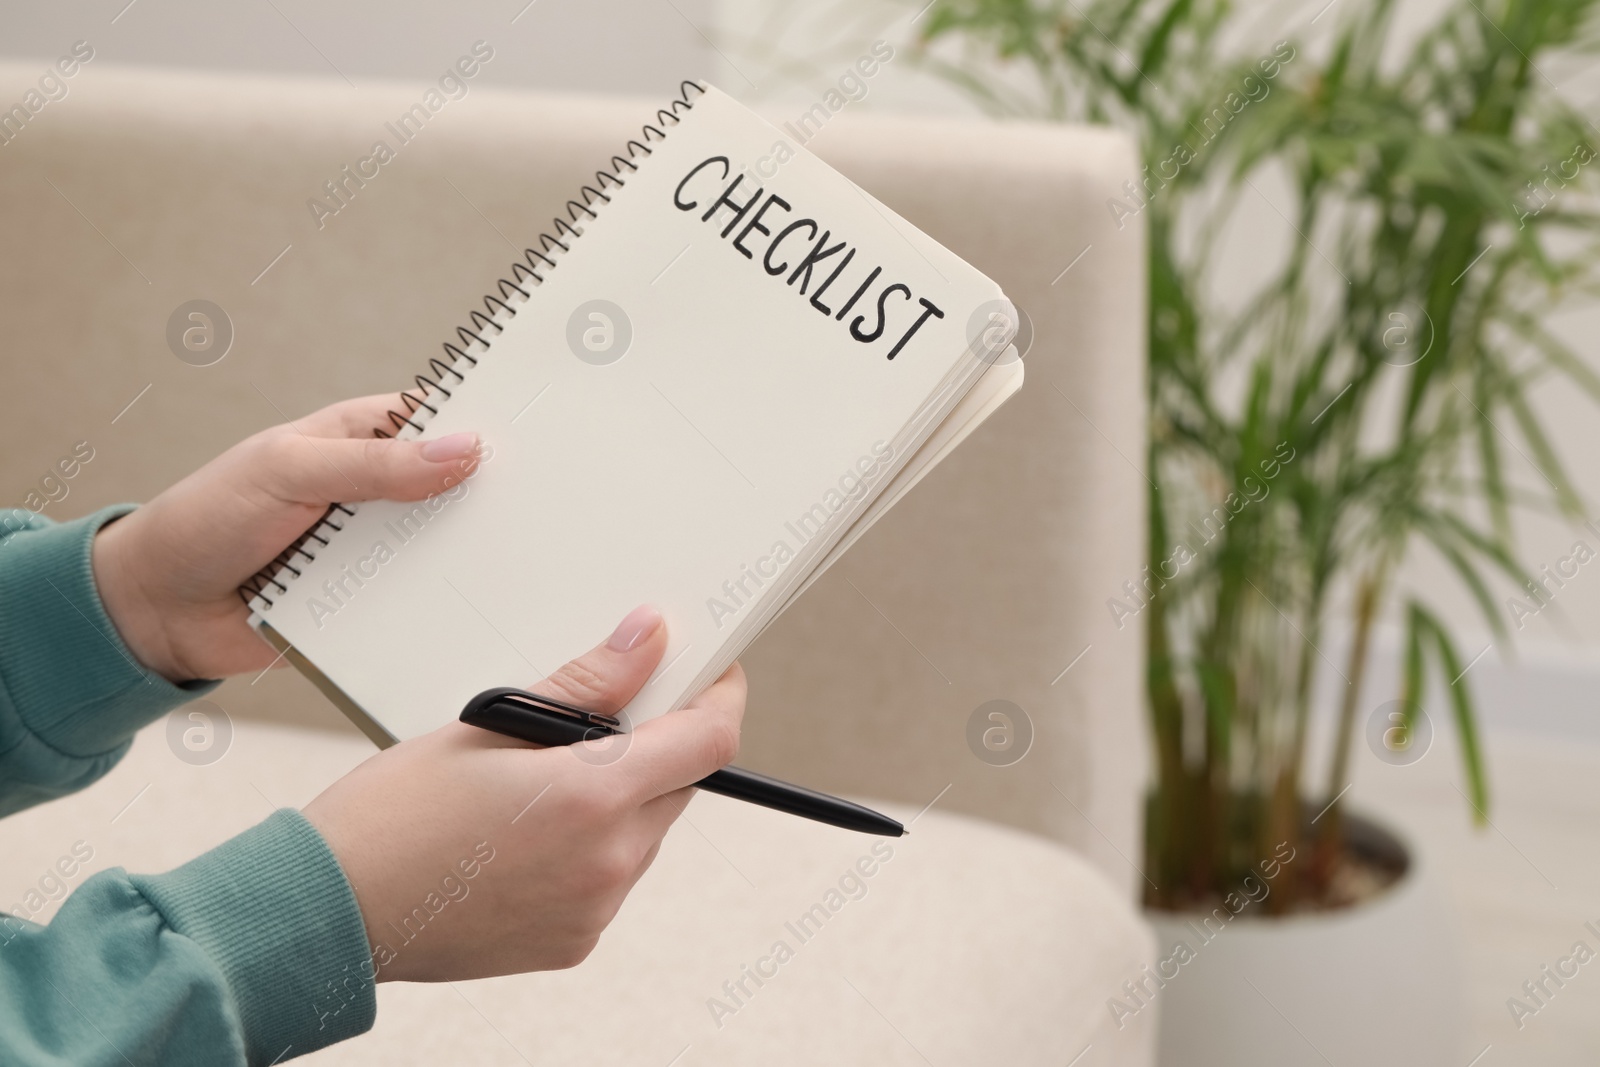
1375,985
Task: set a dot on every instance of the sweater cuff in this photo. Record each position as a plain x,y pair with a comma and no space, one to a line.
73,682
273,908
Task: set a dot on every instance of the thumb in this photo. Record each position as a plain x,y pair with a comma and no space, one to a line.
606,677
321,470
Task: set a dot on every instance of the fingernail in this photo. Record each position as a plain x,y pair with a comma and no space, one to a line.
640,624
453,446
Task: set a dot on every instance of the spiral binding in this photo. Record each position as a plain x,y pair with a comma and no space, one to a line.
429,390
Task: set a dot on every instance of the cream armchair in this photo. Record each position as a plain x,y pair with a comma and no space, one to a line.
993,934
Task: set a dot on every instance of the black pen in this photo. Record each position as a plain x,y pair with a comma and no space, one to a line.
530,717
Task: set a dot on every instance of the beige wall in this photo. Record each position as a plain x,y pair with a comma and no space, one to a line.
619,46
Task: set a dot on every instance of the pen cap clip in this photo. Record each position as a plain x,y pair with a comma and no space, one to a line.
544,703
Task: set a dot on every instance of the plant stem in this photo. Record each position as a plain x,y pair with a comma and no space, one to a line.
1330,838
1170,839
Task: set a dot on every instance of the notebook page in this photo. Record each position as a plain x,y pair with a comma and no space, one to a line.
696,472
999,384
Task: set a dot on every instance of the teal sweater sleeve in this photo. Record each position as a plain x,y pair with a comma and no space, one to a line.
71,694
254,953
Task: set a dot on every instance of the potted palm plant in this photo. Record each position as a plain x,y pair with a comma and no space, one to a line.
1364,398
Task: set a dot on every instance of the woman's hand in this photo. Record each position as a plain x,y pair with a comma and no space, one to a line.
474,855
471,854
168,572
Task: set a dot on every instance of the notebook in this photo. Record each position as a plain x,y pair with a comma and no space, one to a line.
722,366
